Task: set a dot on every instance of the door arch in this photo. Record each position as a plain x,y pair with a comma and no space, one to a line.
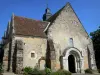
71,63
75,55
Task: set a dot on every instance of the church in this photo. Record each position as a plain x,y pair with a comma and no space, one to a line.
58,42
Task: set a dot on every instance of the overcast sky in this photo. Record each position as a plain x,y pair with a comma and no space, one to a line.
88,11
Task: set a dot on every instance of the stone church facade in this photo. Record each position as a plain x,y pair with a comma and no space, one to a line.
58,42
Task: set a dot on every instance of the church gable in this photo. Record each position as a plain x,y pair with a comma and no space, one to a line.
66,31
65,26
67,17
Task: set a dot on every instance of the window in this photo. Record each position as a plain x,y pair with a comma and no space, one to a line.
71,42
32,55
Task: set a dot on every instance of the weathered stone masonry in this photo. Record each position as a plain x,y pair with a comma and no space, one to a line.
50,43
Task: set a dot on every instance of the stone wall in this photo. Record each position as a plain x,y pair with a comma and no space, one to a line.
92,55
18,57
35,46
5,57
8,51
67,26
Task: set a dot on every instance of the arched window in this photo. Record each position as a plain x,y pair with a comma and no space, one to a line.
71,42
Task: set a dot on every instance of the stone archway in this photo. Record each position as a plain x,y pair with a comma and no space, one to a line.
74,55
42,63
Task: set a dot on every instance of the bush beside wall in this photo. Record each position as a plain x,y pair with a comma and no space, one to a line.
61,72
47,71
88,71
99,70
91,71
1,69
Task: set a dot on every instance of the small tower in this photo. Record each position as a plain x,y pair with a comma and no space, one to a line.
47,14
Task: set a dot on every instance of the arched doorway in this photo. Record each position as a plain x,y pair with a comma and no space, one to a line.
71,63
73,60
42,63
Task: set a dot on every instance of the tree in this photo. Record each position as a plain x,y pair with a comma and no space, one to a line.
95,36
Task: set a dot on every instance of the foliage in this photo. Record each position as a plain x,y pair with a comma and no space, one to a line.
1,69
48,71
95,36
61,72
27,70
42,72
88,71
99,70
35,72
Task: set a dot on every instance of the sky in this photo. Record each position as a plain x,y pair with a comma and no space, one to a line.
88,11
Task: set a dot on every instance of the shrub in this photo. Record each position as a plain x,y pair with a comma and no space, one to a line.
48,71
42,72
61,72
54,73
35,72
88,71
64,72
1,69
27,70
99,70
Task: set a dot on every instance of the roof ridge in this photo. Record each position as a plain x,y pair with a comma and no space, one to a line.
53,17
29,18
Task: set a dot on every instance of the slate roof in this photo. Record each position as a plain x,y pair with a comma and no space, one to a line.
29,27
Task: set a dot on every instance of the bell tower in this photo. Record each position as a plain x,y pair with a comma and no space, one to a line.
47,14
